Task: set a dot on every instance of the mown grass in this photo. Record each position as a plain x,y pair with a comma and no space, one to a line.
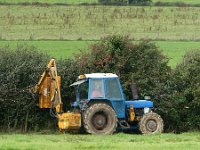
56,49
174,50
94,22
184,141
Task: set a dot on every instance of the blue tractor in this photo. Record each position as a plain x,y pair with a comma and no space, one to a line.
100,106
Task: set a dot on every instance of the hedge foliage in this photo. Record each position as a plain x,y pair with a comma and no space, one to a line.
187,81
124,2
19,71
176,93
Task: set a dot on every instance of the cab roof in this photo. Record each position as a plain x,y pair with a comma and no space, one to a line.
98,75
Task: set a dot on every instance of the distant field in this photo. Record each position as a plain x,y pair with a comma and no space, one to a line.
65,49
186,141
56,49
183,1
88,1
50,1
94,22
175,50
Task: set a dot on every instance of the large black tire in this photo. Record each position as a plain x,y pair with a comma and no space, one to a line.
151,123
100,118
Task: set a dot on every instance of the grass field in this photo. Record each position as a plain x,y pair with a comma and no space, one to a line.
174,50
89,1
88,23
186,141
49,27
56,49
50,1
94,22
183,1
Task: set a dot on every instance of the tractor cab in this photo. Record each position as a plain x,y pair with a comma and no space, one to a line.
99,86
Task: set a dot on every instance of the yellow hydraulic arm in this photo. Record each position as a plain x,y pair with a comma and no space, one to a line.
50,97
49,88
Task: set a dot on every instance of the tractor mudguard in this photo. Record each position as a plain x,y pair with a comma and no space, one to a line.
139,104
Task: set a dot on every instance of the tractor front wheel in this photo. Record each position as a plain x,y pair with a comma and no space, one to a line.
151,123
100,118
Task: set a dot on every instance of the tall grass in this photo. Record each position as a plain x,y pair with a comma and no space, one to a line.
49,1
89,1
94,22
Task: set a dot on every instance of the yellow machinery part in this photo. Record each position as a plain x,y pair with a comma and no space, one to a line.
46,92
137,118
49,88
131,114
69,121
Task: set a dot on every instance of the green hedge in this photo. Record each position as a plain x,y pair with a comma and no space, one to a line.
19,72
176,93
187,80
124,2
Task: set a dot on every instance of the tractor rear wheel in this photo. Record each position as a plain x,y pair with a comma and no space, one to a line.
151,123
100,118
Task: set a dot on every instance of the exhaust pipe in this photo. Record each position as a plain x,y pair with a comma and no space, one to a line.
134,90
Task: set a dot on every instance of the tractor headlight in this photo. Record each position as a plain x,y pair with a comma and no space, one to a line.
147,110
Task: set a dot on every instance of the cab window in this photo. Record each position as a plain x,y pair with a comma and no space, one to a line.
83,90
97,88
112,89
